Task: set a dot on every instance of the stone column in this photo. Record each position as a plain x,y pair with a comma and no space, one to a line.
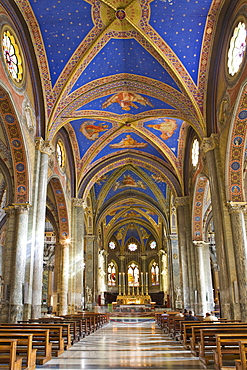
64,277
91,271
174,273
45,150
236,210
78,242
180,204
18,262
205,290
225,256
28,287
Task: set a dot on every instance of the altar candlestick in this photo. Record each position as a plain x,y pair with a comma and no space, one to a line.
142,287
123,283
146,283
119,283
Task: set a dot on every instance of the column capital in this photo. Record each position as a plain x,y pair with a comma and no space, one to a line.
44,146
181,201
78,202
200,243
144,257
91,237
21,208
209,143
237,207
122,257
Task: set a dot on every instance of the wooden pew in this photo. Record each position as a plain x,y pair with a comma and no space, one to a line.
186,330
227,349
8,357
241,363
40,340
208,342
57,334
24,348
196,336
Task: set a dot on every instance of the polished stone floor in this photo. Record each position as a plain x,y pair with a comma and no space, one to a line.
126,346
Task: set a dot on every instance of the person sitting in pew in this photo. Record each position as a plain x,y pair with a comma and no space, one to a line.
210,317
191,317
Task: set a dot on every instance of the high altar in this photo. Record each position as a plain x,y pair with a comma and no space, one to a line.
133,299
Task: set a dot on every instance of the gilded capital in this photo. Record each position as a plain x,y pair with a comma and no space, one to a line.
44,146
209,143
78,202
181,201
20,208
237,207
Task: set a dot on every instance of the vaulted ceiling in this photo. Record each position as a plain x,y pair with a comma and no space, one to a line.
126,79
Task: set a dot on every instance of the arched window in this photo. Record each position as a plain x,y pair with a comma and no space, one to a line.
133,274
60,153
155,274
195,153
112,273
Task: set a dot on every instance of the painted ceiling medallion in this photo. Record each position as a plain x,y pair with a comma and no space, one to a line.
120,20
12,56
120,14
237,49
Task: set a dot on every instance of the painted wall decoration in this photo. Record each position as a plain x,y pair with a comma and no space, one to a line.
91,130
126,100
167,127
128,142
128,181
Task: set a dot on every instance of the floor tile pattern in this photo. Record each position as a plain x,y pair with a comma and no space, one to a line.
126,346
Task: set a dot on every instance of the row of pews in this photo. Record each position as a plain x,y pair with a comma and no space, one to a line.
222,343
34,342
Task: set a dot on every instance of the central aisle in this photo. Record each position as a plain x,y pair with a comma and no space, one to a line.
126,345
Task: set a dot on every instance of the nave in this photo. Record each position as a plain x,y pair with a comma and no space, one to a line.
126,345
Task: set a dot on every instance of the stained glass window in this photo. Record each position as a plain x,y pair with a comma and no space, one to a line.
12,57
237,49
195,153
132,247
111,274
155,274
112,245
133,274
60,152
153,245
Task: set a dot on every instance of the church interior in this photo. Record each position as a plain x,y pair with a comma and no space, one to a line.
123,157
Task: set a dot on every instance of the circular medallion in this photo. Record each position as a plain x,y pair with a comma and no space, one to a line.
237,49
12,56
120,14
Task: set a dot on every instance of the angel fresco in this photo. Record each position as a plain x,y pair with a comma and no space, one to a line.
126,100
128,181
167,127
128,142
91,131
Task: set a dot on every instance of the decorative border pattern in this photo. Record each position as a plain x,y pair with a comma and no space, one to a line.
237,150
61,208
198,207
17,147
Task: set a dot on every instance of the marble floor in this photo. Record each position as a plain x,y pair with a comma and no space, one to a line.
126,346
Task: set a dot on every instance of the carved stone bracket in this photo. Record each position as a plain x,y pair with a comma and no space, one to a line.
181,201
209,143
78,202
44,146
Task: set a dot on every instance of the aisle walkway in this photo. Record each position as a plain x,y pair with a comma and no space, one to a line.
126,346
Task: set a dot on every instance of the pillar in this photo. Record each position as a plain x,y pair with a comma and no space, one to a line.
174,271
45,149
224,251
64,278
78,246
91,271
180,204
236,210
18,261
